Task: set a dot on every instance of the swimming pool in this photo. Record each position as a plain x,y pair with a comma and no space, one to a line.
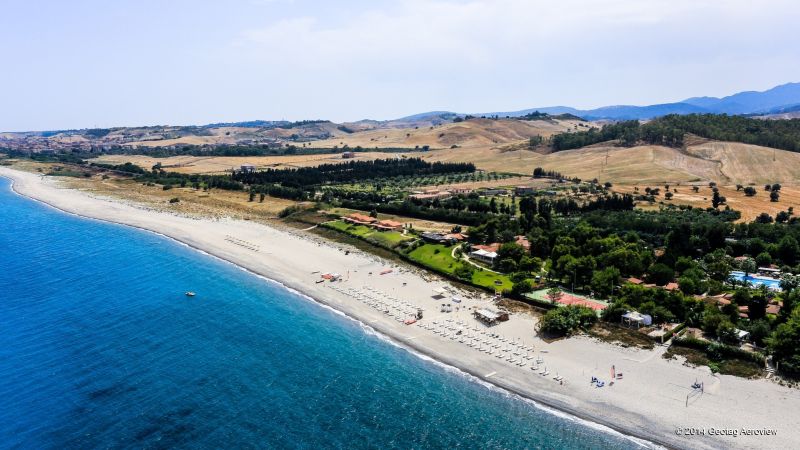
756,281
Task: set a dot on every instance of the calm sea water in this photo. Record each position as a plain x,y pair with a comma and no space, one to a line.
100,348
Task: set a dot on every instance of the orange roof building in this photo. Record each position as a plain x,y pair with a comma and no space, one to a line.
359,219
388,225
523,242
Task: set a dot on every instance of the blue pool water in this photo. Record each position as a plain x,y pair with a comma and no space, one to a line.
756,281
100,348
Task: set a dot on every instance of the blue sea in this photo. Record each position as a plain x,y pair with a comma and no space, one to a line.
100,348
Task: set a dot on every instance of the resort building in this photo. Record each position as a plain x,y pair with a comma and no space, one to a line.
523,242
483,255
460,190
359,219
437,238
431,195
388,225
494,247
247,168
524,190
636,318
770,271
456,236
489,317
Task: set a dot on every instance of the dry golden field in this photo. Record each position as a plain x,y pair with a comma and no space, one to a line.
750,207
474,133
220,164
501,146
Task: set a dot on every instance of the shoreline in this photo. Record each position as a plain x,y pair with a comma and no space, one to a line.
609,418
473,376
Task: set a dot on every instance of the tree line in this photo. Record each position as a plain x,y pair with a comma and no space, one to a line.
350,172
670,131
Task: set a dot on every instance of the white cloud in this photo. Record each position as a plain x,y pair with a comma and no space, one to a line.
352,59
475,45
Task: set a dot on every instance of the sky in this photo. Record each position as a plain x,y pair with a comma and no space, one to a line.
92,63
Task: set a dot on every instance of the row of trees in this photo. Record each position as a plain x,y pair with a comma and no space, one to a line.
670,130
307,177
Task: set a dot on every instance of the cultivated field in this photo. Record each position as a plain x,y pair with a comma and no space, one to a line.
725,163
220,164
750,207
474,133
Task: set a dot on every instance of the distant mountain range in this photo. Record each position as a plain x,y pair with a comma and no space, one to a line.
778,100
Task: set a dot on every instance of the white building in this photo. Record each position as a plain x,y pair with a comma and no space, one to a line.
483,255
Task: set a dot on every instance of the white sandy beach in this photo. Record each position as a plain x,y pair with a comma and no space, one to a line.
650,401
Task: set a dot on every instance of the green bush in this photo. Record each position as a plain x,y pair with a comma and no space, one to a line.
717,351
564,321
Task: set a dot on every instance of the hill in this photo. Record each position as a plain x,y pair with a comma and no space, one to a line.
473,133
748,102
751,101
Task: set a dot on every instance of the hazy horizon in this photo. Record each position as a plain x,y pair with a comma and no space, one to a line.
94,64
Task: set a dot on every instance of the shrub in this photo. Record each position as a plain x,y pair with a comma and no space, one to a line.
564,321
464,272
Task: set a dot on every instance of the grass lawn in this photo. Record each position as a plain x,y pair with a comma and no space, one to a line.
389,239
439,257
486,278
435,256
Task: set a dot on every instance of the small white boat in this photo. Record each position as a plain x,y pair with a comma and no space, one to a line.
190,294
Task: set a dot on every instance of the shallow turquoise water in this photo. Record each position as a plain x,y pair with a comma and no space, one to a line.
100,348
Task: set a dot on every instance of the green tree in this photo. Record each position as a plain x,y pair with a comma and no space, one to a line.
748,266
660,274
788,250
603,281
521,287
757,309
726,333
564,321
554,294
783,345
759,331
764,259
464,272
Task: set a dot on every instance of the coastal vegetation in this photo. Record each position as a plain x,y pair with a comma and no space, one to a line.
573,234
671,130
564,321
